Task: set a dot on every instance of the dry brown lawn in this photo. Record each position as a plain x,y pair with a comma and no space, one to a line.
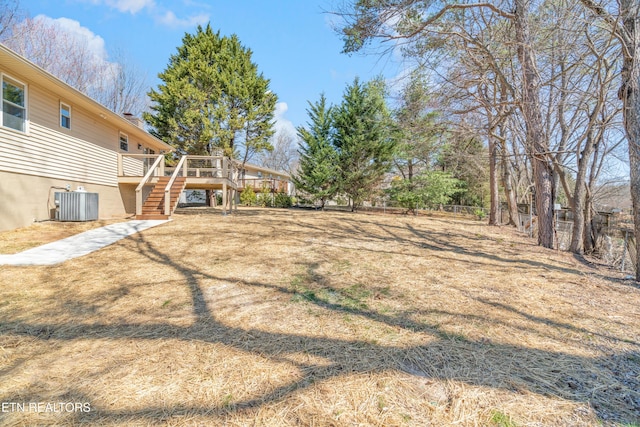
40,233
286,318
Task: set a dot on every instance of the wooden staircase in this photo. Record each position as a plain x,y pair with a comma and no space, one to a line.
153,207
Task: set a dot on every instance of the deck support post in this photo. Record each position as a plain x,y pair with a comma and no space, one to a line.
224,198
236,200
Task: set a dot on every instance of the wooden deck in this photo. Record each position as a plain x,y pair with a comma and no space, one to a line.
159,186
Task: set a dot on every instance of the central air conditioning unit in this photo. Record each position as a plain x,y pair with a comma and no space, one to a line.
76,206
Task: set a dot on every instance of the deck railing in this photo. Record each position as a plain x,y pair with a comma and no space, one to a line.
137,164
180,170
207,167
224,170
272,185
154,170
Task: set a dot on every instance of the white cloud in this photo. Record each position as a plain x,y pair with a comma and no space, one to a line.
94,42
131,6
159,13
171,20
282,124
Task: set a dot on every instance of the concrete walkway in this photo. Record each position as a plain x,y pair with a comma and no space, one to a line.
78,245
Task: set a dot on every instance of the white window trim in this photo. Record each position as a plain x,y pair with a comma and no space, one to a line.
69,109
120,135
26,104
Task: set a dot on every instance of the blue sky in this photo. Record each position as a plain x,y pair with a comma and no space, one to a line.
292,41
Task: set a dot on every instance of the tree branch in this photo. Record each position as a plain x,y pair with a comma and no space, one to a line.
449,7
614,24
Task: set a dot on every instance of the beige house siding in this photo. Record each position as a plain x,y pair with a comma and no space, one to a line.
132,167
48,155
253,172
26,198
55,155
49,150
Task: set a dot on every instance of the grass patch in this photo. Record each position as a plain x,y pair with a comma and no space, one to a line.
499,419
350,298
321,318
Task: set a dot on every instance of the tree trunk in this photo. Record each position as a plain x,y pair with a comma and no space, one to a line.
632,125
410,170
579,195
507,183
493,181
629,93
589,232
579,210
507,179
536,138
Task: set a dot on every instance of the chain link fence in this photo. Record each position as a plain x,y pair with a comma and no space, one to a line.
615,244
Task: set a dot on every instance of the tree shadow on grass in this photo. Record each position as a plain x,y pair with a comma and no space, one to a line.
440,244
608,384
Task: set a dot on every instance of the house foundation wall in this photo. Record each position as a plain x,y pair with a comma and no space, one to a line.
27,198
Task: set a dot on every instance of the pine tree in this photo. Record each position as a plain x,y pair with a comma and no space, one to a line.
363,140
212,97
417,133
317,174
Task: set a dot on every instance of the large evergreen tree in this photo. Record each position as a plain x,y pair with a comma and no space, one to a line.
465,158
212,97
317,175
363,140
417,133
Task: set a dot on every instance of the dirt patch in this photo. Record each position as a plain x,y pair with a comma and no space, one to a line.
285,317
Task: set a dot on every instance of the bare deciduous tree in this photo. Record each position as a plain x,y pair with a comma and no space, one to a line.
117,84
284,156
10,13
124,87
623,20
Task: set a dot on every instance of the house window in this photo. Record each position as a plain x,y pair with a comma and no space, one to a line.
124,142
14,111
65,116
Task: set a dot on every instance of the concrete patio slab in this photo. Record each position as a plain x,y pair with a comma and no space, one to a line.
78,245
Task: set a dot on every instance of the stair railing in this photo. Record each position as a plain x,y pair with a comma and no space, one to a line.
181,167
145,180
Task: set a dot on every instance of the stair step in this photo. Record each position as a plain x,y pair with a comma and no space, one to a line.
152,216
153,207
161,193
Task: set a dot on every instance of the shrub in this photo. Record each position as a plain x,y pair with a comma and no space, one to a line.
430,188
248,196
265,200
283,200
480,213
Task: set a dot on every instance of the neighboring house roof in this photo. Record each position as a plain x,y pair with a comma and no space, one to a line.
249,166
29,71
